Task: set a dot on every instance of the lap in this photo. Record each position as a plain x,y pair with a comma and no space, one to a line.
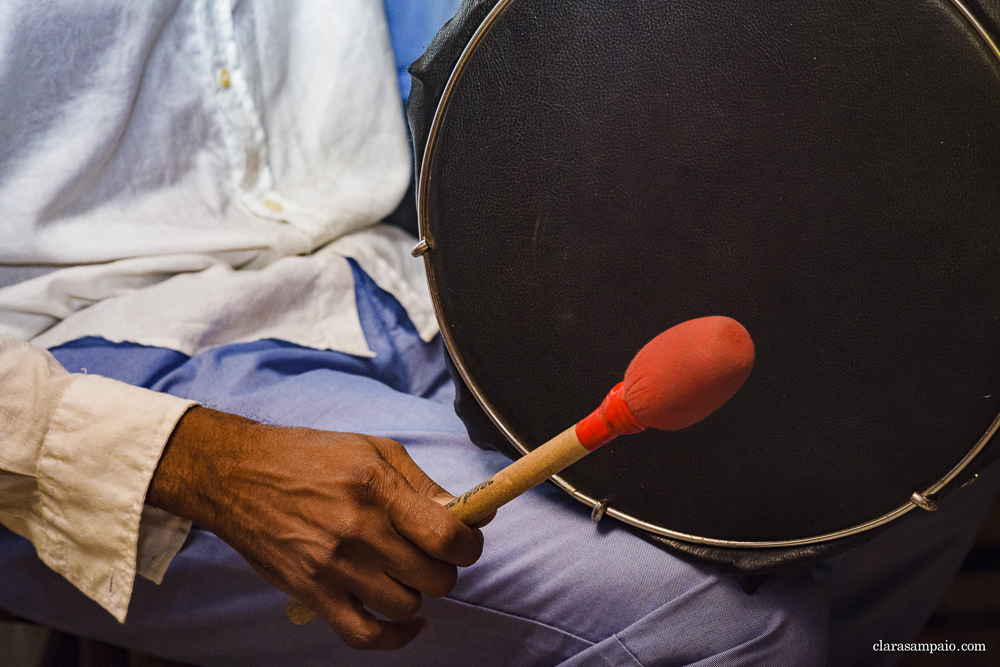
552,586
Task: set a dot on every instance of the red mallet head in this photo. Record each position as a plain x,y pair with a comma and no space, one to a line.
678,378
687,372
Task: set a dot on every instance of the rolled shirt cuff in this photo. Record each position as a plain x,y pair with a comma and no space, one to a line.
96,462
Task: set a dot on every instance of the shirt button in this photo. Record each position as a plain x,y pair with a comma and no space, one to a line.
224,79
272,205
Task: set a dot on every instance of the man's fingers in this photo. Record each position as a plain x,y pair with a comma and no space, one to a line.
437,532
415,569
361,630
422,520
384,594
434,529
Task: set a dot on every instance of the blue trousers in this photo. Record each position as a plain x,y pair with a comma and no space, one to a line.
551,588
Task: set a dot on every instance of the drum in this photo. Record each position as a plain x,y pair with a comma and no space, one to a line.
827,173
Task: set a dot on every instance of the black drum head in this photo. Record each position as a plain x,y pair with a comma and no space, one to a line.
826,173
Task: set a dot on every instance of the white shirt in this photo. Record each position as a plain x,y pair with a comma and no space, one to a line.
168,171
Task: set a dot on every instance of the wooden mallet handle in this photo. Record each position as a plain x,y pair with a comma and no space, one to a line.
611,419
525,473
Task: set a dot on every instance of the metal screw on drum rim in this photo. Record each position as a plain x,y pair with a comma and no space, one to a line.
420,248
599,510
923,502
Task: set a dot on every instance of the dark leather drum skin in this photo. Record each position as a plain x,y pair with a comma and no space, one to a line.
592,172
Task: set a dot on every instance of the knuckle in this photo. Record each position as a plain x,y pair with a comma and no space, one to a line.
311,567
406,607
443,540
368,483
391,446
359,637
350,530
310,570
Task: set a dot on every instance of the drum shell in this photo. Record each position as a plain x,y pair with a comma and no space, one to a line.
841,212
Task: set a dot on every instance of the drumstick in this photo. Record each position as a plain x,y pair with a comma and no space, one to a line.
677,379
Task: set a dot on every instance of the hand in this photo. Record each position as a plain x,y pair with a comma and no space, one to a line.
339,521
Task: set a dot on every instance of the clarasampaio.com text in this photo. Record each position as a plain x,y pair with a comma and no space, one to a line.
927,647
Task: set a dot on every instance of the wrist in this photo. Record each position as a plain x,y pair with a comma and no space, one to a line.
199,455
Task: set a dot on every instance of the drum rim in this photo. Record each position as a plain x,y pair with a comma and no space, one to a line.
922,499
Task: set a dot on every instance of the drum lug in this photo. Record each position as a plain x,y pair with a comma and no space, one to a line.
923,502
420,248
599,510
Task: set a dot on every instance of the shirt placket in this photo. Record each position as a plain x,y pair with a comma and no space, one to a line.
245,139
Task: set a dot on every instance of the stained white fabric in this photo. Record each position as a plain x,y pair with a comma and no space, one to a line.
184,174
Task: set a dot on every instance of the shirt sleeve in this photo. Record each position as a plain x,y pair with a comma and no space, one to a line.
77,453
